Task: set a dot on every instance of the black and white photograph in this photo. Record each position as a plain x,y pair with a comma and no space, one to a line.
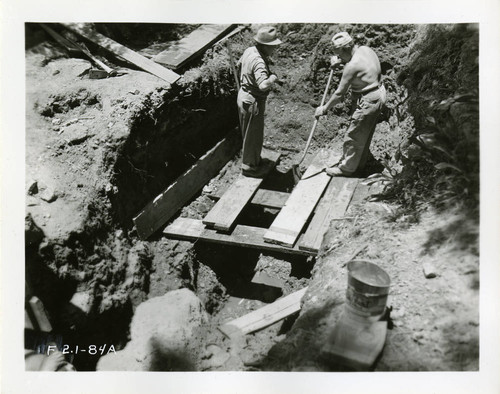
210,198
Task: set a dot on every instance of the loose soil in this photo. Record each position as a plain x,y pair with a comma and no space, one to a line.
99,150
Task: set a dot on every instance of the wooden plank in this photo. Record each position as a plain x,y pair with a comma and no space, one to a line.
166,204
245,236
264,316
331,206
224,214
191,46
264,198
28,325
85,30
69,45
270,198
40,314
290,221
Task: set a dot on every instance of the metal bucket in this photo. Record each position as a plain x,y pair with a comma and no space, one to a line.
367,289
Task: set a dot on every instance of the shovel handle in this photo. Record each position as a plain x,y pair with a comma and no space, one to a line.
233,67
316,120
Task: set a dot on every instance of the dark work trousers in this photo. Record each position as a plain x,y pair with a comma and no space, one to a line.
356,149
251,112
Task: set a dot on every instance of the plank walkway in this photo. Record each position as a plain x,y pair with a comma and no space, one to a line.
332,205
265,316
245,236
165,205
225,212
289,223
86,31
191,46
263,197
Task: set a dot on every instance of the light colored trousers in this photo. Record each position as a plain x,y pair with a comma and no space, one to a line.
359,135
251,112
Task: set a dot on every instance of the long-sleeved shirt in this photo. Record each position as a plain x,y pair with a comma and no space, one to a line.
254,70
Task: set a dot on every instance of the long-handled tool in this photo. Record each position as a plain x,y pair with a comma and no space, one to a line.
296,167
236,78
232,63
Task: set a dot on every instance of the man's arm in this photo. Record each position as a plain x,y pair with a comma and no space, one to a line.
268,83
264,80
347,77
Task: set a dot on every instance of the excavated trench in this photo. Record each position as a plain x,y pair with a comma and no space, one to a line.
112,271
93,281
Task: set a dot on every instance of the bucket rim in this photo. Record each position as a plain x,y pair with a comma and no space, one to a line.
387,278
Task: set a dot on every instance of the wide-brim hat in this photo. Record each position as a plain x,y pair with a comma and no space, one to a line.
267,36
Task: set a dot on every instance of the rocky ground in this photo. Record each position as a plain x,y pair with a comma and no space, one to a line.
98,150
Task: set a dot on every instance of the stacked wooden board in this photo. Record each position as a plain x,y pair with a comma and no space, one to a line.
332,206
243,236
191,46
264,198
299,227
224,214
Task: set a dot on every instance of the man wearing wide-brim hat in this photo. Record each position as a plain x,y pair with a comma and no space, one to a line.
362,73
256,81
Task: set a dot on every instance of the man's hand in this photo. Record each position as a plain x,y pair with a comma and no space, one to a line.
320,111
268,83
335,61
253,109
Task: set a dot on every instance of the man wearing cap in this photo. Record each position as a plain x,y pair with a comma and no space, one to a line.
256,81
362,73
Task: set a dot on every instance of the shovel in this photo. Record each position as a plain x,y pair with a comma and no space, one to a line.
297,175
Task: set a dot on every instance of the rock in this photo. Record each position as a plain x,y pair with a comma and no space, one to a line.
398,313
48,195
251,359
83,301
32,188
162,332
217,357
31,201
429,270
76,134
33,234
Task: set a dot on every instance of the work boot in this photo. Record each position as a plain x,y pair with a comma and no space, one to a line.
336,171
254,172
259,171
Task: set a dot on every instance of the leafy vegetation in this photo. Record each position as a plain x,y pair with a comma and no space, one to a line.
440,159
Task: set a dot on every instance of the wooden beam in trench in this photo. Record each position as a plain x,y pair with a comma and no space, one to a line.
166,204
265,316
224,214
244,236
263,198
40,314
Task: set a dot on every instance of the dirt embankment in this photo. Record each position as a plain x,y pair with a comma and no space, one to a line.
99,150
